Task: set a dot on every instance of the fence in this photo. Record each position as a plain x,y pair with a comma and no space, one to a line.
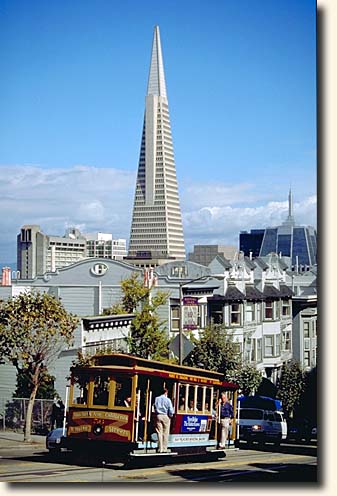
13,414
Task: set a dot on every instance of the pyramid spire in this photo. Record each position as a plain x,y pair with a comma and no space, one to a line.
156,84
156,221
290,221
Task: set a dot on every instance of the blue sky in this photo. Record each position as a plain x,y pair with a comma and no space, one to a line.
241,82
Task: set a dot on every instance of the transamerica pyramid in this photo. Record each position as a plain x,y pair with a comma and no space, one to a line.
156,229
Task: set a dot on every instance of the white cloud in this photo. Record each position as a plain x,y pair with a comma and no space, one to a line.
95,199
222,225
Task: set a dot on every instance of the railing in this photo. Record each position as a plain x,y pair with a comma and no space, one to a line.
13,415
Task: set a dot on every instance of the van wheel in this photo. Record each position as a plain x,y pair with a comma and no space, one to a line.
277,442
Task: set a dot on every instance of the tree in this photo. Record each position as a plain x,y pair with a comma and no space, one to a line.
248,378
215,350
148,338
45,390
34,327
290,386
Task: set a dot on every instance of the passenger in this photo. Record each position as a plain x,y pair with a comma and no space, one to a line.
226,416
127,401
191,406
164,412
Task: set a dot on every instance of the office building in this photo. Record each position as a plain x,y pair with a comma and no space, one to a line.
38,253
156,230
298,243
204,254
101,245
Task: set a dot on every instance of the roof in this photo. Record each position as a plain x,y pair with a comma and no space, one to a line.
234,294
137,364
224,262
271,292
285,291
250,264
156,83
261,263
252,293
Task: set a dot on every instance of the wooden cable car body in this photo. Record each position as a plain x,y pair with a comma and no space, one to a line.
100,420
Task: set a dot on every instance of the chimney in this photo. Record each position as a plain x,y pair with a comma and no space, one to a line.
6,279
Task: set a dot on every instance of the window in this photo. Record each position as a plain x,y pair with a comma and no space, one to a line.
191,406
269,346
306,360
101,391
247,348
175,318
79,392
235,314
285,308
306,329
123,390
259,350
286,340
258,312
250,311
268,310
182,405
277,345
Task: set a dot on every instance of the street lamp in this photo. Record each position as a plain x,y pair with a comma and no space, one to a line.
181,284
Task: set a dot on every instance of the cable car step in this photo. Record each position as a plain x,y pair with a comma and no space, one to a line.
152,453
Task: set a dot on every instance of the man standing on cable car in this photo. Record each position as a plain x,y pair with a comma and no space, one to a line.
164,412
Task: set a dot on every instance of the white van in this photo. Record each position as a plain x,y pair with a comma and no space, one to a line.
260,425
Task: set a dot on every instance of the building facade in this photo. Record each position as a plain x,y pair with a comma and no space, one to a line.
156,230
204,254
271,312
38,253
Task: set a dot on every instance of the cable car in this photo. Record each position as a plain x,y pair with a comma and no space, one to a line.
111,410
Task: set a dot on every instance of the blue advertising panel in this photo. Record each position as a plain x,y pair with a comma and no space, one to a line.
194,423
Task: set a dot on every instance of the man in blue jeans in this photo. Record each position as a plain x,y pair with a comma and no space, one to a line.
226,416
164,412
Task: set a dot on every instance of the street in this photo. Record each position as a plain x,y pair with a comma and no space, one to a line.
289,463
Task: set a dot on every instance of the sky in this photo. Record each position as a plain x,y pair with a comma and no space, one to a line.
241,83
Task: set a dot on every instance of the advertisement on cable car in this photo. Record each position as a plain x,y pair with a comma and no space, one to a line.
194,423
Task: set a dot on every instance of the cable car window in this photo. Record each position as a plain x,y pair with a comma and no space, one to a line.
80,390
208,400
123,391
192,407
101,391
200,391
182,397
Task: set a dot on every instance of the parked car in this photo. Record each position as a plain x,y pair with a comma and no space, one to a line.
299,430
314,433
56,441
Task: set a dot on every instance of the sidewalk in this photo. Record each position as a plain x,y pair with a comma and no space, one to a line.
16,438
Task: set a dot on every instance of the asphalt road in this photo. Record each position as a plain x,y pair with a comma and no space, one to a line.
290,463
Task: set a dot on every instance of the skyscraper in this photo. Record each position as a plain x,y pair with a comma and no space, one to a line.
298,243
156,229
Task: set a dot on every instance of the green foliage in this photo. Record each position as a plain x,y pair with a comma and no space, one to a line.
147,338
290,386
134,292
248,378
116,309
34,327
215,350
45,391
